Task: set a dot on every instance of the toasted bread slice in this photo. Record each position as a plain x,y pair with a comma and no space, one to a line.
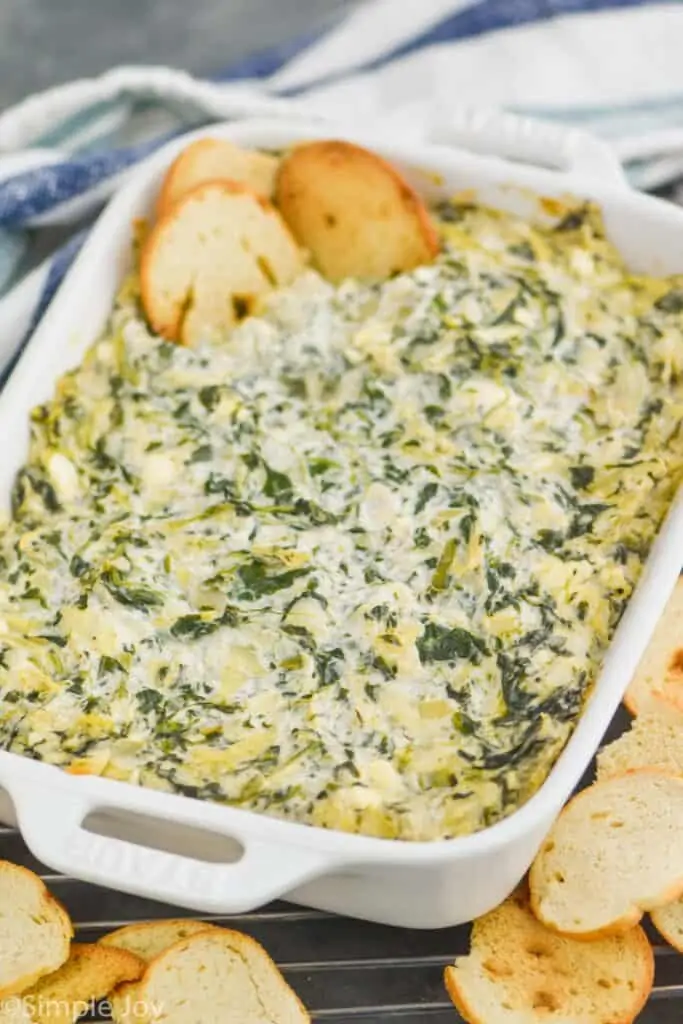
660,672
354,212
205,264
668,920
90,974
210,978
149,939
215,160
35,930
615,851
655,740
519,972
126,1005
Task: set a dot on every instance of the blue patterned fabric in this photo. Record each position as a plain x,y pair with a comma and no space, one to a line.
479,18
612,66
26,196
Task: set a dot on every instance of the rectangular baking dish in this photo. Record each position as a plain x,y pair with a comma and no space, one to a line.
221,860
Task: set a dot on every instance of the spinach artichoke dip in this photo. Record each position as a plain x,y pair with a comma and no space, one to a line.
357,564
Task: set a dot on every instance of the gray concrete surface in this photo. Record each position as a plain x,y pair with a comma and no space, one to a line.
46,42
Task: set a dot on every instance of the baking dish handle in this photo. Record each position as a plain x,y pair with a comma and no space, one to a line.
531,141
53,830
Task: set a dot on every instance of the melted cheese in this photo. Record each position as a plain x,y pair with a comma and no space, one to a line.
358,564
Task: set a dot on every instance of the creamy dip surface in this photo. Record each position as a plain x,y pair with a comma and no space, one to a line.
357,564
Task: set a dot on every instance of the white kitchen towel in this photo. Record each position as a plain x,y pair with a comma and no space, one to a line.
613,66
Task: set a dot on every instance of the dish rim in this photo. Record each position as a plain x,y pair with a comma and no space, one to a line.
644,607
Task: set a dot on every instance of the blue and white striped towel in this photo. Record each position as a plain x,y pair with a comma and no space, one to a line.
613,66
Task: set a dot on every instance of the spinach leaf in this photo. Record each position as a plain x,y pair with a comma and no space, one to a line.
149,700
467,524
278,486
584,519
78,566
130,594
193,626
572,220
425,496
523,250
581,476
210,396
319,466
463,723
53,638
258,581
513,672
440,643
523,750
328,666
217,484
202,454
672,302
108,664
550,540
313,512
45,491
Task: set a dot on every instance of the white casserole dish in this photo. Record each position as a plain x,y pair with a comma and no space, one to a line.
156,844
